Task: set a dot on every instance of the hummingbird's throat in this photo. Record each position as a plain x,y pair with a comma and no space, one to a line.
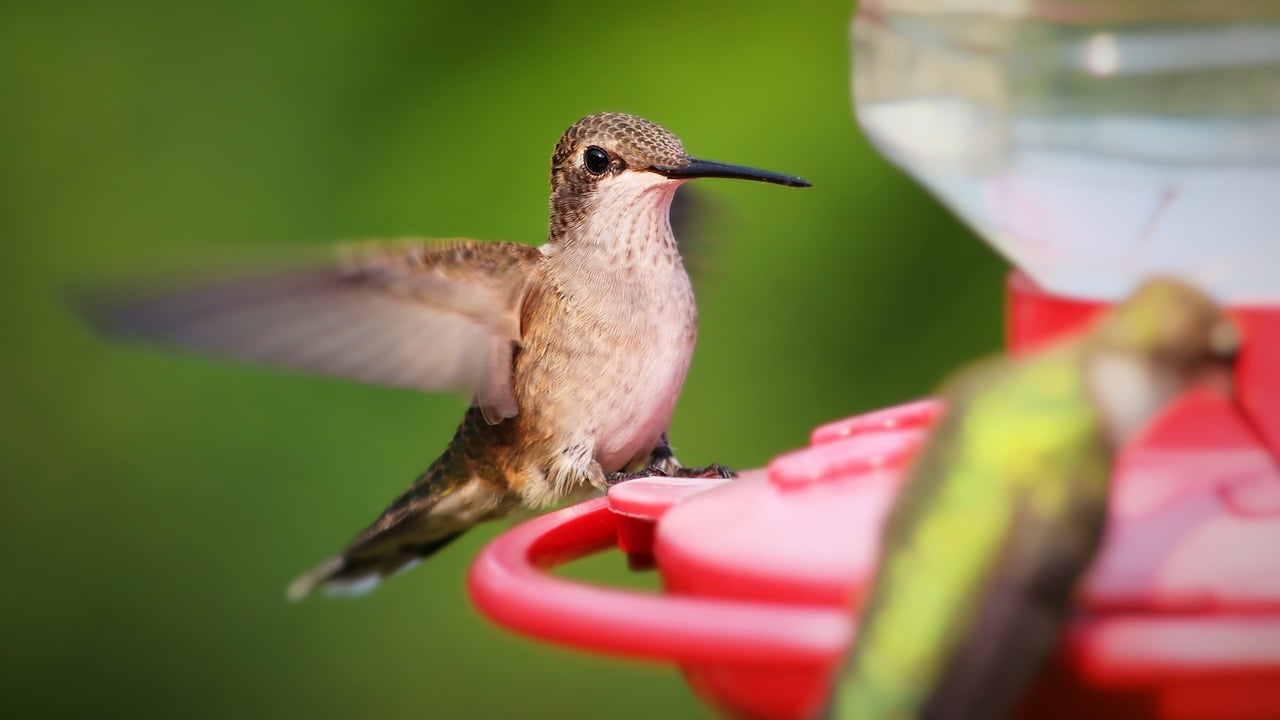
628,221
1128,393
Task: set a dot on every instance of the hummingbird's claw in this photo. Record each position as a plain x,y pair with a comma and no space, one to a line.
662,461
714,470
613,478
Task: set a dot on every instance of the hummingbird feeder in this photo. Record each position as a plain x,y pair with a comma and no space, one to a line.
1178,618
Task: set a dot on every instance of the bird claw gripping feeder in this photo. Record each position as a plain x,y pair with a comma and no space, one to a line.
1093,144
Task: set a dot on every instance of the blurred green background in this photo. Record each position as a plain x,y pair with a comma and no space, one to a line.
156,505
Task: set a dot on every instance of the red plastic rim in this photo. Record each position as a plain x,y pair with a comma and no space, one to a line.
509,584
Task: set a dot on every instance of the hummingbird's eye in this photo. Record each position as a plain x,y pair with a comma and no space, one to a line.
595,160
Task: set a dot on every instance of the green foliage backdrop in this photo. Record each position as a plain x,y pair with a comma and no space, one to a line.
156,505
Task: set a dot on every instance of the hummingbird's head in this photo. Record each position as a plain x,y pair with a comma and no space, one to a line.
1165,339
630,165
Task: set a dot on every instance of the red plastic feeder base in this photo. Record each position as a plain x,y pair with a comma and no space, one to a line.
1179,618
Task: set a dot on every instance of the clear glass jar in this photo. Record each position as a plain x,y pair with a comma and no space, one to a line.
1092,142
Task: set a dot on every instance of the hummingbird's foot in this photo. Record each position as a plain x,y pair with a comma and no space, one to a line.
662,461
613,478
714,470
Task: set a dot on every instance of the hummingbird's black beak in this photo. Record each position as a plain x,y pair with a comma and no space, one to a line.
695,168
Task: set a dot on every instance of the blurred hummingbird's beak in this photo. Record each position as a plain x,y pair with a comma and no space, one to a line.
695,168
1220,376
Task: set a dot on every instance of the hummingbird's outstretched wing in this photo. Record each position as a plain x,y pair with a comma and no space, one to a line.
433,316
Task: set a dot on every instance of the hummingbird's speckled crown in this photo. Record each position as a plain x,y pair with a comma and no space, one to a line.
633,138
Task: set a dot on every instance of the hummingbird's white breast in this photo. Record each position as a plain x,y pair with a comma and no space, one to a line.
629,303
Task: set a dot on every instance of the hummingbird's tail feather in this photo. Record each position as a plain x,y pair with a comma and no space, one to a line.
445,501
352,573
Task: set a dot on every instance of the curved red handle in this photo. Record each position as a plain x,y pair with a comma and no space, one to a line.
510,584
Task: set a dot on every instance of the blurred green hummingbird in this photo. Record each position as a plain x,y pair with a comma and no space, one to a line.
573,352
1005,506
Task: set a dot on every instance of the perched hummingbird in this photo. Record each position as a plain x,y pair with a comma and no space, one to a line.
1005,507
573,352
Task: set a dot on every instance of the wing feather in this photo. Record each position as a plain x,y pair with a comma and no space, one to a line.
440,316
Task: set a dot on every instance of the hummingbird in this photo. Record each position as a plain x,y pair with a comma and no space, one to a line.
573,352
1005,506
